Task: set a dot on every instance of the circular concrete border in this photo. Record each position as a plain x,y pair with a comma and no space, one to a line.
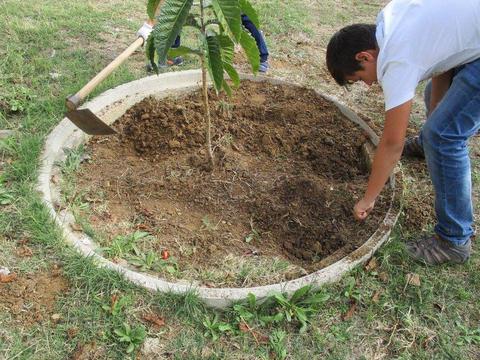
111,105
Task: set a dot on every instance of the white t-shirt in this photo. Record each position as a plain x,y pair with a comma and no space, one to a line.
419,39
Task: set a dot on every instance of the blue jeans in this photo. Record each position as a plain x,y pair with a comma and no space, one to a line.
445,138
257,35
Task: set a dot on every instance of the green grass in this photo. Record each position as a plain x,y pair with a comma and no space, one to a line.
51,49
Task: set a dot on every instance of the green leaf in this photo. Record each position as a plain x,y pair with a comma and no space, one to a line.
170,269
248,10
252,300
183,50
318,299
227,48
288,316
250,47
119,332
150,52
303,328
130,348
227,88
228,13
137,235
278,317
152,8
214,61
281,299
301,316
173,15
297,295
224,327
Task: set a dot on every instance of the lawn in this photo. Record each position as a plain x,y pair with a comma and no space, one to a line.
61,306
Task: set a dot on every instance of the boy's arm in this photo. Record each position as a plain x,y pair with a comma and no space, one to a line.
440,85
388,153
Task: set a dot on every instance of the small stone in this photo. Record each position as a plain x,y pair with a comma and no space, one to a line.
6,133
55,75
55,179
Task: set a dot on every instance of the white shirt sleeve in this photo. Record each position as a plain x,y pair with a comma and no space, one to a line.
399,81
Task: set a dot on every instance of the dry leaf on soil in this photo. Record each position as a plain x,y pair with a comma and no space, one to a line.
348,315
376,296
413,279
5,278
371,265
154,319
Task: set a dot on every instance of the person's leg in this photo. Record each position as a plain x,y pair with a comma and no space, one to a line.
170,62
413,144
445,142
259,39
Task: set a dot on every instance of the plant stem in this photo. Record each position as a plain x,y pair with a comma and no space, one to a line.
205,92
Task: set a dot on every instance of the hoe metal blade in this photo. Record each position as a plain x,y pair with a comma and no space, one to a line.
89,123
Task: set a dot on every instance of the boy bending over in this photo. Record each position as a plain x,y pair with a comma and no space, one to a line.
415,40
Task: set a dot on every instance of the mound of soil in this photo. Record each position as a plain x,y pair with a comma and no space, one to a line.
288,172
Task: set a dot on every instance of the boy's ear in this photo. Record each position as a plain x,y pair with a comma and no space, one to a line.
365,55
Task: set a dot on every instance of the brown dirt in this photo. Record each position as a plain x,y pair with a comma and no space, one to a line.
419,210
289,170
30,298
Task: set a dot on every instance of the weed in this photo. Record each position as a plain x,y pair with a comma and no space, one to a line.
132,337
253,235
467,336
208,225
144,261
225,108
150,261
277,308
170,265
215,328
17,99
247,310
74,157
116,305
277,341
125,244
301,306
351,291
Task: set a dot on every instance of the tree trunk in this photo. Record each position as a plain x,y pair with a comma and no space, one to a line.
206,106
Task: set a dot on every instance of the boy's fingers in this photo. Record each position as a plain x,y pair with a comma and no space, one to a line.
359,215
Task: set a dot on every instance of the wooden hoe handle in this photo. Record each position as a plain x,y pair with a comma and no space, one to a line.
73,101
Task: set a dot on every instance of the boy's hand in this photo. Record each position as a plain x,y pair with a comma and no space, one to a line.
362,209
145,31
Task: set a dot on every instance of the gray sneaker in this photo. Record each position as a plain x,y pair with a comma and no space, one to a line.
435,250
413,148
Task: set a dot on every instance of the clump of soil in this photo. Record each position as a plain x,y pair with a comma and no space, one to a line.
30,298
289,171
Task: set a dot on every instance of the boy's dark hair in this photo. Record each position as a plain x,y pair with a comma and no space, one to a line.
343,47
